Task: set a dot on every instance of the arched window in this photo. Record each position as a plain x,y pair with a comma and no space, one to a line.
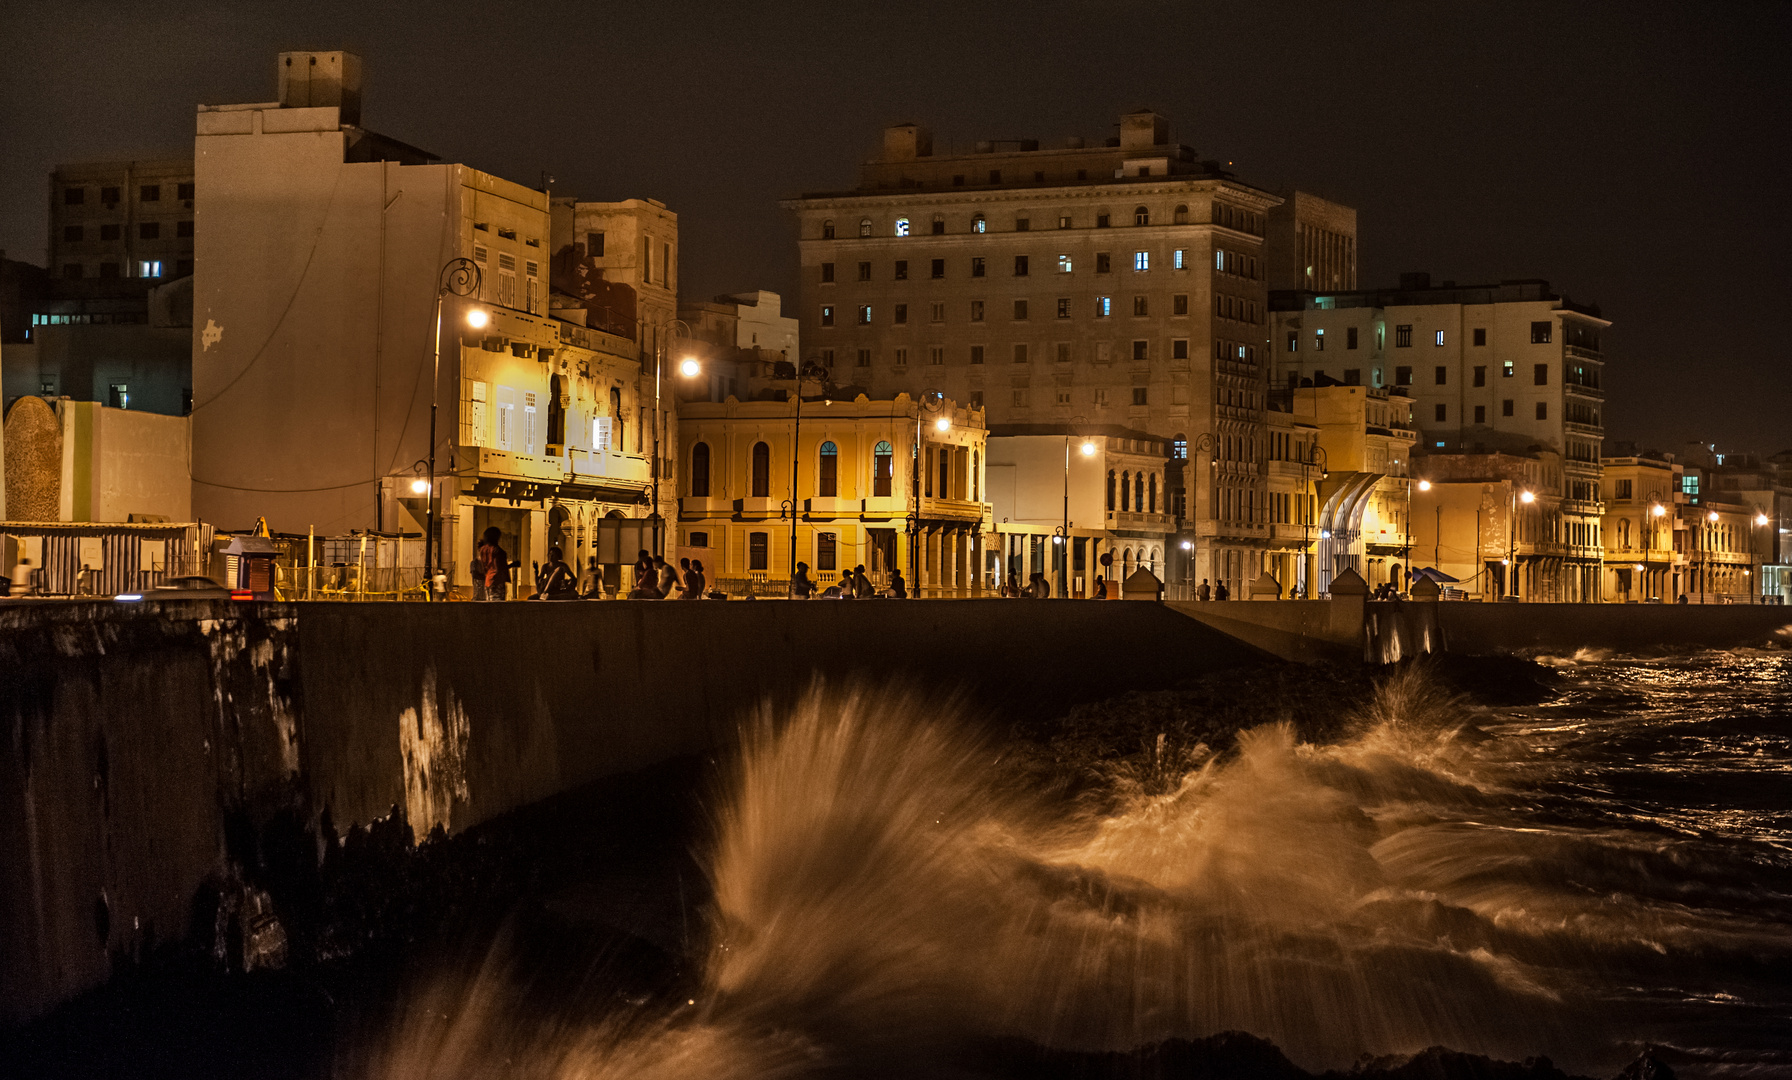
864,226
1126,491
939,224
827,229
700,470
883,464
1110,491
1152,505
1182,214
901,226
1141,216
829,485
762,471
979,223
1138,493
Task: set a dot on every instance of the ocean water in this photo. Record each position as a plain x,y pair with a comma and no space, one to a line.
1581,879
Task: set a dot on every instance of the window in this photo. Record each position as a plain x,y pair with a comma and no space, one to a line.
864,357
700,470
108,195
1443,413
937,269
826,550
1125,491
901,313
1481,375
976,311
1353,376
1350,337
1403,376
1063,221
864,271
864,226
1019,397
995,176
149,230
757,549
978,224
1020,311
150,193
71,233
183,229
1179,259
1624,489
1294,341
1101,398
977,398
977,266
1140,215
1403,336
183,191
110,232
1540,332
74,196
1022,224
1020,266
1219,260
1104,306
864,314
1063,264
1480,414
901,269
149,268
827,273
762,471
1063,352
1319,341
1443,375
1141,306
1110,491
828,485
976,354
1440,337
882,462
120,396
1140,350
901,357
1020,354
1141,261
1179,304
1480,336
1541,374
827,233
1102,264
1140,395
1101,221
697,540
901,226
1543,410
1179,350
1063,307
827,315
1506,407
936,356
939,225
1506,370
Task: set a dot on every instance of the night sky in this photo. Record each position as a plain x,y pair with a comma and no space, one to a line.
1636,155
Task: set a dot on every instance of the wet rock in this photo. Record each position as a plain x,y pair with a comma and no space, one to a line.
1647,1066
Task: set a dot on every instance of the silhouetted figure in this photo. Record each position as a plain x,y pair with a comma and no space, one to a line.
668,577
700,578
494,565
801,588
861,585
1011,587
898,587
555,580
1101,587
1205,592
1038,588
1220,592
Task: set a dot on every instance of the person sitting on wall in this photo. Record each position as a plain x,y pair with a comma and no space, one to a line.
668,577
801,588
493,566
898,587
1011,587
555,581
693,580
1101,587
861,585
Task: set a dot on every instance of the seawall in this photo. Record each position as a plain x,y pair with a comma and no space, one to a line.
168,770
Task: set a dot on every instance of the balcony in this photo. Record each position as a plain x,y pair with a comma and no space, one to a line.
953,510
1130,521
1583,353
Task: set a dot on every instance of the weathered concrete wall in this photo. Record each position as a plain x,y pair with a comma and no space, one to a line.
1484,628
150,763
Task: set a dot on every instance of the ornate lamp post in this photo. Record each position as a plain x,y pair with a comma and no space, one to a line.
1088,450
688,367
809,369
929,401
460,277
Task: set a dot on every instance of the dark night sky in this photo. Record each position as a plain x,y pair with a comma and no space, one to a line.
1636,155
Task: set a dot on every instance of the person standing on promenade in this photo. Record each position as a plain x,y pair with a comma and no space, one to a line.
494,565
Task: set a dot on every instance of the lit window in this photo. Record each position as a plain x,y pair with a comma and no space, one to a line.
979,224
827,315
864,314
1506,370
1319,341
1440,337
1179,259
120,396
1141,261
1063,264
1104,306
901,226
152,268
1219,260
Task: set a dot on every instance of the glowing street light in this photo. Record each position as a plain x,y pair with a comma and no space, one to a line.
478,318
419,486
1526,497
1424,485
690,368
942,424
1657,510
1089,451
1712,516
1760,519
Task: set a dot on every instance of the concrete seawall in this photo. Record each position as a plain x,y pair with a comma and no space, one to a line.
162,766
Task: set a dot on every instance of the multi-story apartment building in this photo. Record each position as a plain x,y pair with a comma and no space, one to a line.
323,252
1312,244
1123,283
122,219
1644,549
1502,369
855,493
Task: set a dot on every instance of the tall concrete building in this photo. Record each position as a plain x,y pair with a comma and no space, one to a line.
323,249
1120,284
1512,369
122,219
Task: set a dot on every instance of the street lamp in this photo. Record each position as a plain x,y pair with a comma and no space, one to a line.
808,369
460,277
1310,517
688,367
1088,450
1527,497
929,401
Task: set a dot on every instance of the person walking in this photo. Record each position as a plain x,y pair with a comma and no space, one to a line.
1205,592
898,587
801,588
494,565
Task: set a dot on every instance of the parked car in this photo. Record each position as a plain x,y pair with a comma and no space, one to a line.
188,587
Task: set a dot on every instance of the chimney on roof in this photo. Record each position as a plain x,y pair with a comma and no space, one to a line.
906,142
310,80
1414,281
1143,130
